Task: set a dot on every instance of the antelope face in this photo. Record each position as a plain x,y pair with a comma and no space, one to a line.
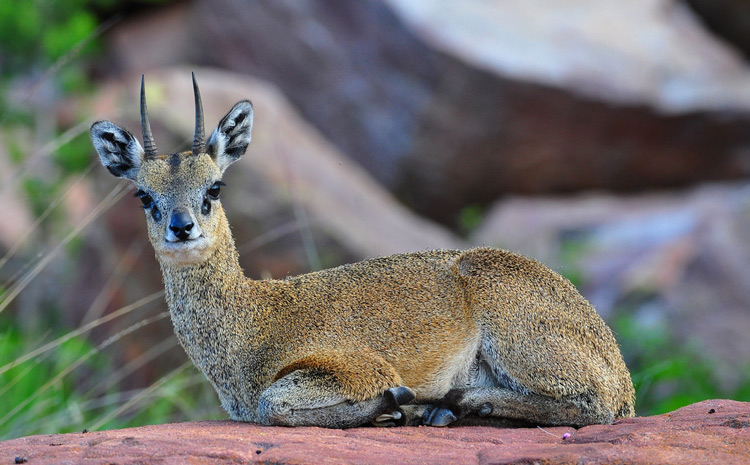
180,192
180,195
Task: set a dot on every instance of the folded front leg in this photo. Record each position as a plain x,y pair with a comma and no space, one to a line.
311,397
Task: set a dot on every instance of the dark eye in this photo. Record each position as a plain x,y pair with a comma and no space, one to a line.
215,190
148,202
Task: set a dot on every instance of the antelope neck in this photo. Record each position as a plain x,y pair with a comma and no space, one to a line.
204,288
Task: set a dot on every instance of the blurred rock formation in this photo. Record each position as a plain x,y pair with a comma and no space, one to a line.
728,19
458,103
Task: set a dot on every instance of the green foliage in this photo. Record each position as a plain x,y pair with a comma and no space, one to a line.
35,398
470,217
21,26
34,34
15,152
571,251
68,29
73,80
12,116
71,388
40,194
75,155
75,247
669,375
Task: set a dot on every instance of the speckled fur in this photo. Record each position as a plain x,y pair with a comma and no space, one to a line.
480,334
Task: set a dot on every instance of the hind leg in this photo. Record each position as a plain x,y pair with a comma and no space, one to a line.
309,397
491,403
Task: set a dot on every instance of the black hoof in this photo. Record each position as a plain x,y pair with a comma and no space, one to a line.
440,417
485,410
400,395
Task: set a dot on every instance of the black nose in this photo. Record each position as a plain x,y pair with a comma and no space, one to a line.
180,224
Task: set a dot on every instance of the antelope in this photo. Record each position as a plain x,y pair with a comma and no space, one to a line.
481,336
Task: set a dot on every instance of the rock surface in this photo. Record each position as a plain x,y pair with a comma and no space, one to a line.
709,432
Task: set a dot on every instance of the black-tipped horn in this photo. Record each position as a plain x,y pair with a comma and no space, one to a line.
148,138
199,141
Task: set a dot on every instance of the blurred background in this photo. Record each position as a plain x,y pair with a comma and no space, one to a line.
609,140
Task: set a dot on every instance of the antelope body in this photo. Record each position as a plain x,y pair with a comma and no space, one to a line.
482,336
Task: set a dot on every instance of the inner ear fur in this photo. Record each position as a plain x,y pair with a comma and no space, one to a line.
119,151
231,137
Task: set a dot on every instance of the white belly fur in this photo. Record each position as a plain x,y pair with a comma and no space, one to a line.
455,373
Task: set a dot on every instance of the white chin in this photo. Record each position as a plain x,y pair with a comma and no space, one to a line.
189,252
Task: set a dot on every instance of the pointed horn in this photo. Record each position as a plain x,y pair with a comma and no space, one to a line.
199,141
148,138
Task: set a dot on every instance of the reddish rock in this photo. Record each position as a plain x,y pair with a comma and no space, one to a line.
714,431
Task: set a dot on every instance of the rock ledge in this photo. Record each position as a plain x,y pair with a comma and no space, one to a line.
713,431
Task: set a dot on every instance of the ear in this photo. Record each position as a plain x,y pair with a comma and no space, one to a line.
230,139
119,151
